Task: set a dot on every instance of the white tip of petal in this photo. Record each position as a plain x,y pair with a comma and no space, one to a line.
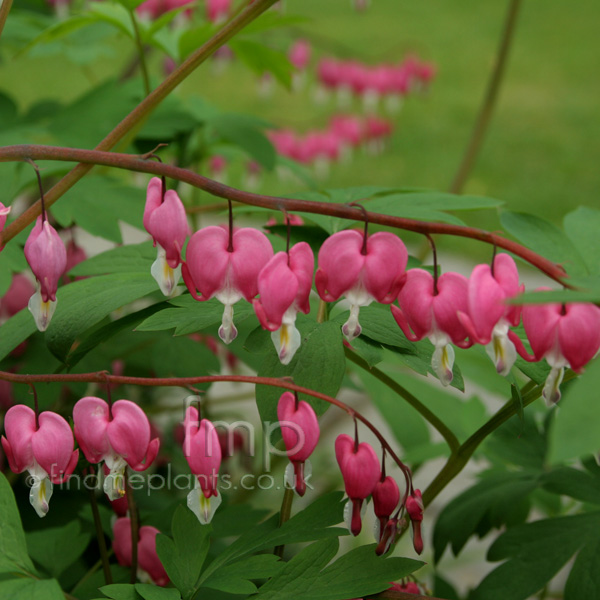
502,352
166,277
551,391
286,340
204,508
42,311
351,328
227,331
114,484
442,362
40,494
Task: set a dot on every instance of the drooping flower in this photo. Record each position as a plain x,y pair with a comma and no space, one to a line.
75,255
217,11
300,432
414,508
224,269
565,335
47,256
360,469
118,435
361,270
433,314
43,448
4,211
284,285
150,568
386,497
166,222
202,450
488,319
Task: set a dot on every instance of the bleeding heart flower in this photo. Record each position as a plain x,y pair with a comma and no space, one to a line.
414,508
489,317
565,335
433,314
361,270
300,432
360,469
44,450
47,256
224,269
4,211
119,436
202,450
166,222
284,285
16,297
150,568
386,497
217,11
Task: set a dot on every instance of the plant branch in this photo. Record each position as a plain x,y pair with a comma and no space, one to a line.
134,520
4,10
139,163
141,53
101,541
284,515
489,100
139,114
459,459
429,416
105,378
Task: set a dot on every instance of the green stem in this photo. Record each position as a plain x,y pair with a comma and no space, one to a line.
101,539
489,100
4,10
135,528
429,416
459,459
141,112
284,515
141,52
322,312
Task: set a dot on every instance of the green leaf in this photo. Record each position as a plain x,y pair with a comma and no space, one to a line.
489,503
59,30
262,59
31,589
360,572
544,238
184,555
120,591
433,201
235,577
584,578
130,4
57,548
582,226
558,296
134,258
191,315
82,304
13,549
113,14
319,364
16,330
574,431
154,592
535,552
571,482
247,134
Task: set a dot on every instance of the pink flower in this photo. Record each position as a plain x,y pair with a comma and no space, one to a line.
217,11
360,271
414,508
386,497
434,314
410,587
489,317
119,436
47,256
156,8
360,469
75,255
284,285
227,271
202,450
300,432
4,211
16,297
150,569
166,222
44,450
565,335
300,54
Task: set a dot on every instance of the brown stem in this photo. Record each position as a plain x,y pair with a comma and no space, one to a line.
489,101
141,52
284,515
4,10
139,114
102,377
136,163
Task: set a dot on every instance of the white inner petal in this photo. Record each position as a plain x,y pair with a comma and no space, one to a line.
42,311
166,277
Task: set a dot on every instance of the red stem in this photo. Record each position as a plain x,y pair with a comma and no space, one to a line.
137,163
